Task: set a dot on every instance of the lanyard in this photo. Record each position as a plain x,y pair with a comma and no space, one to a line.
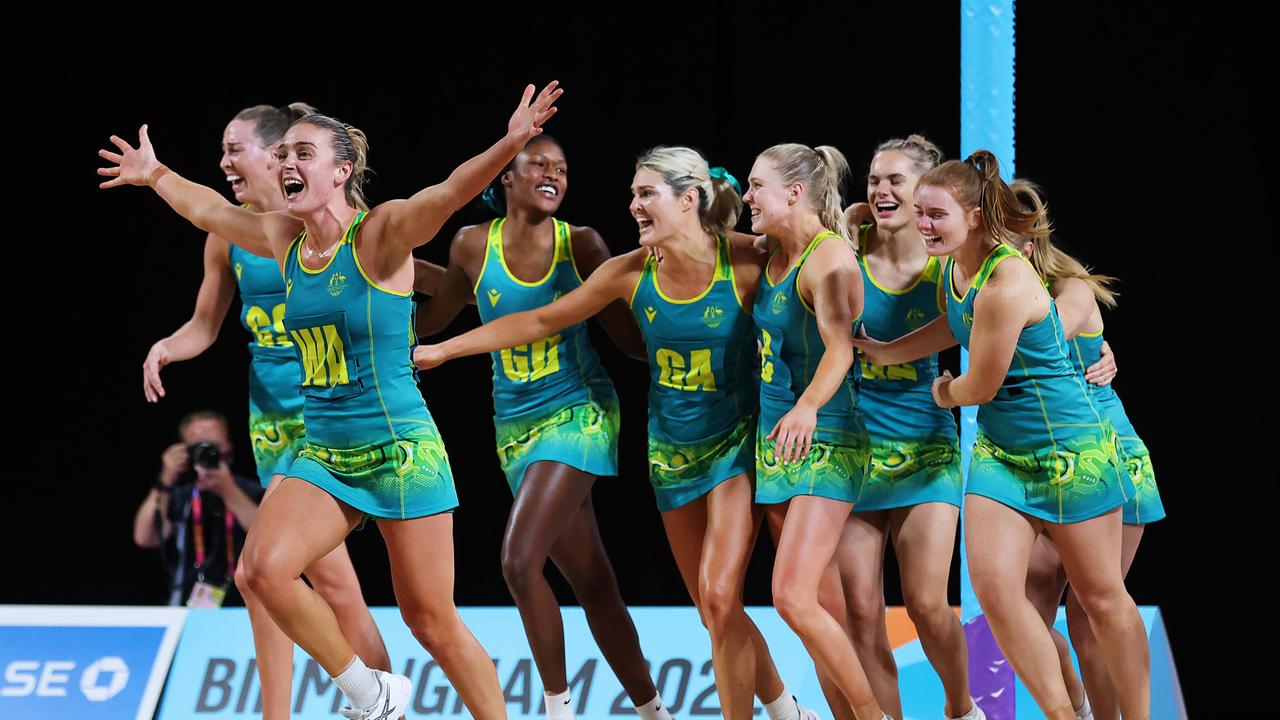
197,526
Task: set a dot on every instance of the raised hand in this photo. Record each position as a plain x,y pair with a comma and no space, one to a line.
133,166
526,122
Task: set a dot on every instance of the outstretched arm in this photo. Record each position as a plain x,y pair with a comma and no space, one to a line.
265,234
611,282
589,253
406,224
932,338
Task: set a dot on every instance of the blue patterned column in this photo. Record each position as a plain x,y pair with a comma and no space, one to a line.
986,122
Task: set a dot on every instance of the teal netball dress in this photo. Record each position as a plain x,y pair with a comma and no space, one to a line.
275,405
370,441
552,399
702,392
1044,446
915,452
790,350
1145,506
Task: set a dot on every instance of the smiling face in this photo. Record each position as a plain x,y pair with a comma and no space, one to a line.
658,211
538,178
769,199
943,222
250,167
891,184
309,175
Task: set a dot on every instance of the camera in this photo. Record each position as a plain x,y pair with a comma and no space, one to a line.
205,454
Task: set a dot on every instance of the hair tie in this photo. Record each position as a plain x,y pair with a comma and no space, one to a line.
720,173
493,201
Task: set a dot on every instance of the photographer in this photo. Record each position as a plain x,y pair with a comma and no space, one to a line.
198,511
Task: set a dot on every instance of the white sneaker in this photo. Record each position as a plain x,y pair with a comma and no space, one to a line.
975,713
804,712
394,694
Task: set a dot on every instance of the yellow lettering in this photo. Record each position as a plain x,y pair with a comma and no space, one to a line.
670,368
258,322
677,373
903,371
324,360
262,326
766,367
307,349
526,363
700,375
334,358
277,324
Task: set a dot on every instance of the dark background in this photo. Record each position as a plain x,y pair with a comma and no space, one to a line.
1122,116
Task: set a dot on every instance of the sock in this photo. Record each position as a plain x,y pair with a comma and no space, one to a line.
559,705
972,714
359,684
655,709
784,707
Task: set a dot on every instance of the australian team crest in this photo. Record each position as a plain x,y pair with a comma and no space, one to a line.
713,316
779,304
337,283
915,318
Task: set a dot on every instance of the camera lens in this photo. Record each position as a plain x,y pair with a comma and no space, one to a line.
205,454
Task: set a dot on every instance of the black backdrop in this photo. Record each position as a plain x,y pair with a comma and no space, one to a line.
1117,114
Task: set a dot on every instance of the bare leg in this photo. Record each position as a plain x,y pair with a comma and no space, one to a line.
811,529
689,536
333,577
552,517
297,525
581,557
421,555
1046,579
924,537
999,540
1097,678
836,701
860,557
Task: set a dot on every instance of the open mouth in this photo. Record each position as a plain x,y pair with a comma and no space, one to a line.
885,210
292,187
644,223
548,190
930,240
237,183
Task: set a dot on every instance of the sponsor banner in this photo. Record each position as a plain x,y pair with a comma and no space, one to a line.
106,663
215,676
